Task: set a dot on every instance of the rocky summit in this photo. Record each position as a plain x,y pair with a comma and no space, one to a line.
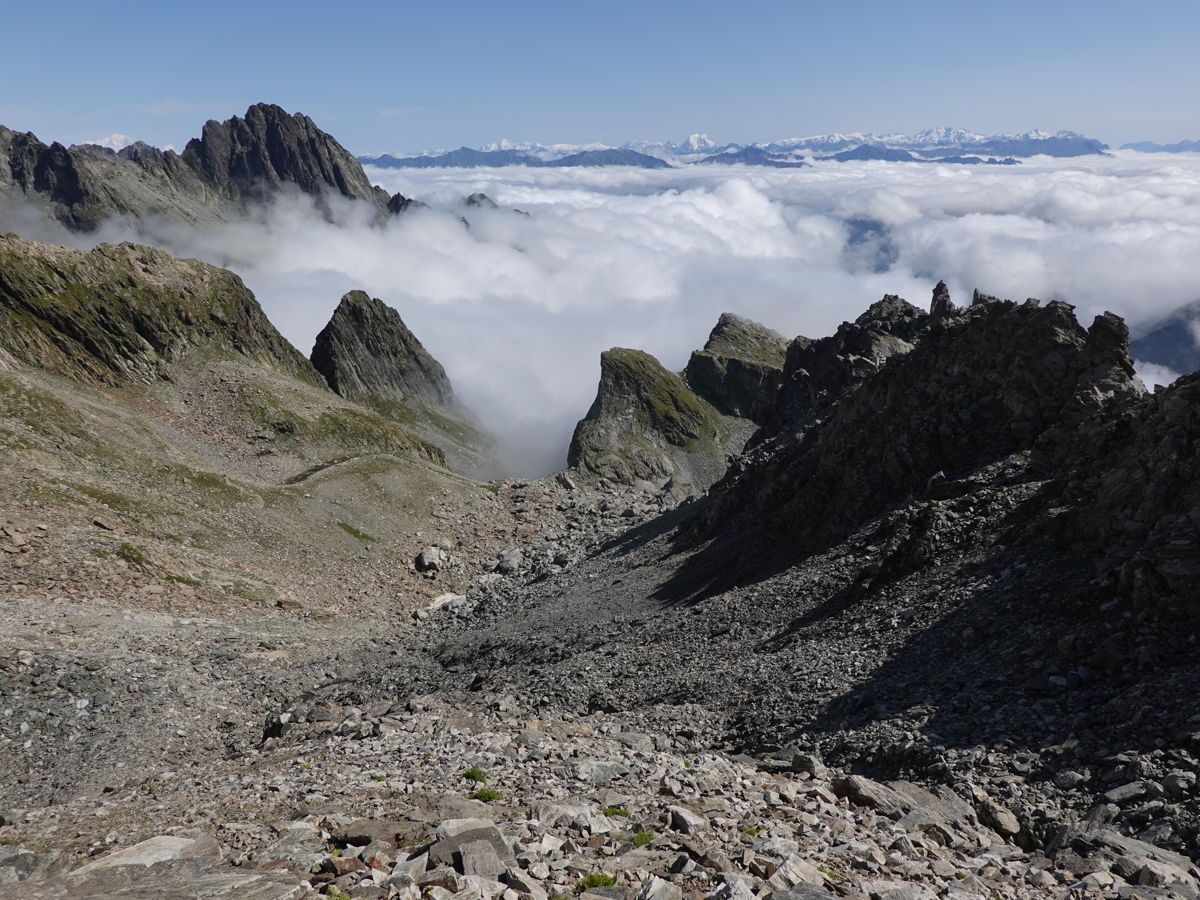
366,352
218,177
740,369
368,355
647,426
904,611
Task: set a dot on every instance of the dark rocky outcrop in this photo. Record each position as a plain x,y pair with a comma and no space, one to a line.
122,313
254,157
1139,496
647,425
234,164
998,379
817,372
740,369
367,353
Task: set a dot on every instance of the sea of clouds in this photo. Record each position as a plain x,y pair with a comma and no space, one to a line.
519,305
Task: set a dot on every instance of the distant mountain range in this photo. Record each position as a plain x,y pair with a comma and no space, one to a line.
466,158
943,145
752,156
1151,147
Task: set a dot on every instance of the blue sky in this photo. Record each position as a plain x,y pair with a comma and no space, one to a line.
403,76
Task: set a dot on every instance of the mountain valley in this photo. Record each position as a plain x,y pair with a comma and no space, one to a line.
905,610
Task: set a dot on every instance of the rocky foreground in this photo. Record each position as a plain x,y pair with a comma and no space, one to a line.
907,611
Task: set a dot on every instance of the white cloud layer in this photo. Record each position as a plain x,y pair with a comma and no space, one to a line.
518,308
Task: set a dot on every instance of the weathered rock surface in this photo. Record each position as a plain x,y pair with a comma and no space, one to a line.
367,353
817,372
254,157
646,424
740,369
1141,506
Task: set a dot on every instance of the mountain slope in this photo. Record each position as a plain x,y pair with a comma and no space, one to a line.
646,425
973,568
1151,147
752,156
462,158
123,313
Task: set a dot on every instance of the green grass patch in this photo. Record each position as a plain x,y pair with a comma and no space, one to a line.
485,795
595,880
475,774
133,555
644,837
616,811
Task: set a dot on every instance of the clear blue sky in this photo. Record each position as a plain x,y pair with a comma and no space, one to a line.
406,76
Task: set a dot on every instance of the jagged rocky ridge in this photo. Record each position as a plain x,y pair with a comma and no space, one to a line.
218,177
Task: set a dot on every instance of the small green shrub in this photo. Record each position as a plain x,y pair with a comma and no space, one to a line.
379,777
596,880
642,838
475,774
616,811
486,795
752,831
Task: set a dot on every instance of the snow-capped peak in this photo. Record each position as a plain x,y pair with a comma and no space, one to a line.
947,135
697,143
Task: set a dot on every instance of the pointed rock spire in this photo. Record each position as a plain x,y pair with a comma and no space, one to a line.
942,305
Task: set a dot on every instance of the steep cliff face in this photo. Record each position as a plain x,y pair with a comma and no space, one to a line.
366,352
253,157
740,369
233,164
122,313
647,425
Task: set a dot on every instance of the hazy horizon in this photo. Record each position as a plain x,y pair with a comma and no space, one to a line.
479,72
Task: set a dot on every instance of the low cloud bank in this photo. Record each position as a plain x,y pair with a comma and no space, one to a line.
518,307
